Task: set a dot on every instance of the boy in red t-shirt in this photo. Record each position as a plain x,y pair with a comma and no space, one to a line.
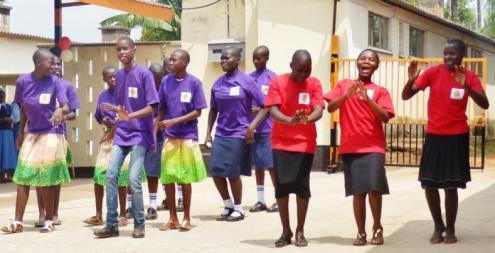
296,103
445,159
364,107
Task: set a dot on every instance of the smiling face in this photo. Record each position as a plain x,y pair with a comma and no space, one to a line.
229,60
367,63
57,66
452,56
125,51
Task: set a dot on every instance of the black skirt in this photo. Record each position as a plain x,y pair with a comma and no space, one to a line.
292,171
364,173
445,161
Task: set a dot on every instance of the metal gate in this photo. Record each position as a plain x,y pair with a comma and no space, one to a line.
405,133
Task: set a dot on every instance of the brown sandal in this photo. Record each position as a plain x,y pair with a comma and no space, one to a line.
123,222
170,225
360,240
301,240
14,227
94,221
377,237
185,226
284,240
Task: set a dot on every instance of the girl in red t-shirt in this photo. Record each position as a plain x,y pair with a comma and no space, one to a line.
445,159
296,103
364,107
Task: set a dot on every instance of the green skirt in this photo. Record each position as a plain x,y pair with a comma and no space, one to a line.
102,161
182,162
42,161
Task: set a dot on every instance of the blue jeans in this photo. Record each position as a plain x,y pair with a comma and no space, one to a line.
115,164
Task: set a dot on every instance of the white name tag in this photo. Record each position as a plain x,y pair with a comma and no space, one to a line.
133,92
457,93
304,98
370,93
264,89
234,91
45,99
185,97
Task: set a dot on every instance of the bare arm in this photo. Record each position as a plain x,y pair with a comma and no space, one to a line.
479,98
316,114
70,116
410,89
146,111
22,128
184,118
212,117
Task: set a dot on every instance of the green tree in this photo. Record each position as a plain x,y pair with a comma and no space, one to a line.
465,14
153,29
489,28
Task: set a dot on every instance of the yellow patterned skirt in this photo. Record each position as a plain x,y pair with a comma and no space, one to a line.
182,162
42,161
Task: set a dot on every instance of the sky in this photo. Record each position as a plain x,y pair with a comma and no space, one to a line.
80,23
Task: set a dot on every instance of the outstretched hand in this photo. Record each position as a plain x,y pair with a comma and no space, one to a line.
122,114
413,70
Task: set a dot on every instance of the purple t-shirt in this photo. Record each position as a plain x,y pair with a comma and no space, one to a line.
39,99
179,97
74,102
134,90
105,97
262,79
233,98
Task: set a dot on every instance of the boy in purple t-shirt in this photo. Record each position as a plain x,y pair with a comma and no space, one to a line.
181,101
136,99
262,146
37,93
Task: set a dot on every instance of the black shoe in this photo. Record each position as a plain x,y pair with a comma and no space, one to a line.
163,206
138,233
273,208
107,231
238,217
128,214
226,213
180,205
258,207
151,214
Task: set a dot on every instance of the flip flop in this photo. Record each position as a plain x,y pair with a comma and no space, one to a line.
14,227
169,225
185,226
301,240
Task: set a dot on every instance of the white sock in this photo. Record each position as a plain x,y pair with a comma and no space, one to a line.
228,203
239,209
260,189
153,200
165,191
48,223
179,190
129,200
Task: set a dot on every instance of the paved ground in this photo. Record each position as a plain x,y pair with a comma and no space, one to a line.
330,224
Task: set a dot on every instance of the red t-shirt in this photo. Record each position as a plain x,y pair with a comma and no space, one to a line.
361,129
448,100
291,96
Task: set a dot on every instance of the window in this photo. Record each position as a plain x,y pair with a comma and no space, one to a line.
416,42
377,31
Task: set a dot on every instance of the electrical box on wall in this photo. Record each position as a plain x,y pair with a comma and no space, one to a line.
215,48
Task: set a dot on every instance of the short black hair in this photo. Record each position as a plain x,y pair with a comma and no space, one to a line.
459,44
301,54
262,49
128,40
369,50
108,69
235,50
183,53
40,52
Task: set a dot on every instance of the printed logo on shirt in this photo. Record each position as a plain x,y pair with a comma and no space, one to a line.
185,97
304,98
133,92
457,93
370,93
234,91
45,98
264,89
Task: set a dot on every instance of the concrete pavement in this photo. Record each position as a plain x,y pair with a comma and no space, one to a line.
330,224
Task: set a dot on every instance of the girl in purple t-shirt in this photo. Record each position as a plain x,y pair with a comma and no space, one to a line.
181,101
42,162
